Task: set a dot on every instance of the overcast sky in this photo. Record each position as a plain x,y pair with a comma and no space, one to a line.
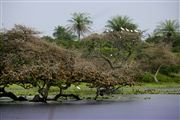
44,15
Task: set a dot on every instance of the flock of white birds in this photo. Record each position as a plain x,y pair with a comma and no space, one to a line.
123,29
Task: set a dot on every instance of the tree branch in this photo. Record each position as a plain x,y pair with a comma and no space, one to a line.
110,63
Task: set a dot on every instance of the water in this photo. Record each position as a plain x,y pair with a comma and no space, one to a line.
133,107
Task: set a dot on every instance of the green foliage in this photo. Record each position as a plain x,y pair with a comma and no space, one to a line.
167,28
80,23
119,22
165,78
176,43
61,33
156,55
48,38
146,77
167,32
70,44
108,51
154,39
1,41
168,70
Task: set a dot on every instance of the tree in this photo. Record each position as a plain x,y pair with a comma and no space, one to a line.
176,43
32,61
48,38
21,32
42,64
167,29
80,23
1,37
113,53
156,56
122,47
61,33
121,22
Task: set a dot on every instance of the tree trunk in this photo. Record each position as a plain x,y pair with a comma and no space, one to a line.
66,95
79,35
71,95
11,95
58,95
97,93
44,92
155,76
37,98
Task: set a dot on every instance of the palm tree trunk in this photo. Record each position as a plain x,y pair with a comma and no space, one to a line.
155,76
79,35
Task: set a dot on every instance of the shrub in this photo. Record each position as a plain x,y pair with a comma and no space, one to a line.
167,70
146,77
176,44
165,78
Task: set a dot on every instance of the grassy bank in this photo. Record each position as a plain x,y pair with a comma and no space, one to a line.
85,92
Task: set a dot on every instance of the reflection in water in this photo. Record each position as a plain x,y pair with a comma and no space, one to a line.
135,107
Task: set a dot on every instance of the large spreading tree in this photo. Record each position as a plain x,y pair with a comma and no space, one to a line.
27,59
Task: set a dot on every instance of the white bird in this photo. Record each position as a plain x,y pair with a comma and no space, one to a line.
135,31
111,30
122,29
107,31
78,87
131,30
111,55
63,85
127,30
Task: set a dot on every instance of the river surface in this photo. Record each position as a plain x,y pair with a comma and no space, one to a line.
127,107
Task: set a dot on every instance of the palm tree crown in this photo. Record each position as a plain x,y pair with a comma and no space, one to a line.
121,22
80,23
167,27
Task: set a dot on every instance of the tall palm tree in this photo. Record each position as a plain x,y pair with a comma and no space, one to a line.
80,23
168,28
119,22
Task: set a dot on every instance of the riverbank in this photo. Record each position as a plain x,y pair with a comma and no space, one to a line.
88,93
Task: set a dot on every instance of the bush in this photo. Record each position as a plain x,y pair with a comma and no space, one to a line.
176,44
167,70
165,78
146,77
1,42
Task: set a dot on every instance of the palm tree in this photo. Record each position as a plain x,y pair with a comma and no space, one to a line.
80,23
167,28
121,22
61,33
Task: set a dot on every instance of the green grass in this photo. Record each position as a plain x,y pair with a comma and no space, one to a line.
87,93
84,91
165,78
162,85
18,90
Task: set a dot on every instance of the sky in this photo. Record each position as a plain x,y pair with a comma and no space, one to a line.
45,15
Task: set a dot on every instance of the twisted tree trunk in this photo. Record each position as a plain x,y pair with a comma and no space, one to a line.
65,95
155,76
11,95
97,93
44,92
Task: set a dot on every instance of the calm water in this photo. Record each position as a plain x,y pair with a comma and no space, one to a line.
134,107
